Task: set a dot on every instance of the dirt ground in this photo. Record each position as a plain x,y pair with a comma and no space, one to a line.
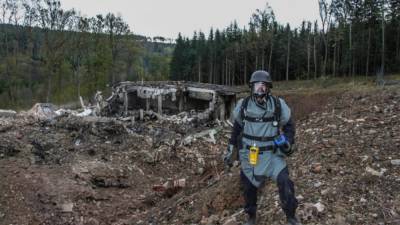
91,171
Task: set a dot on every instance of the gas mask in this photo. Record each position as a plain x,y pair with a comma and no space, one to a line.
260,90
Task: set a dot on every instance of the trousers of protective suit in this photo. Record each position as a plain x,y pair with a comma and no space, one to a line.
286,194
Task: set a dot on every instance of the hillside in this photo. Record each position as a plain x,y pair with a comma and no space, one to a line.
74,170
58,66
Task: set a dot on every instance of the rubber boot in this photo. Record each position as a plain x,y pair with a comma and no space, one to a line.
293,221
251,220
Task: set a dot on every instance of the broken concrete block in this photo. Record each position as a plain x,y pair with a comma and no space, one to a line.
213,219
375,172
395,162
316,168
67,207
231,221
42,111
319,206
211,132
169,188
180,183
86,112
311,210
7,113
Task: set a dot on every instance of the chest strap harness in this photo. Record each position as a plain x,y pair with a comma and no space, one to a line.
275,119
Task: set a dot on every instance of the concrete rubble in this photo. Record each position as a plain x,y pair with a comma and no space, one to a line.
7,113
119,162
170,98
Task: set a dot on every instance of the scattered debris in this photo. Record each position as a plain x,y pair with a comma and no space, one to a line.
210,101
375,172
310,211
319,206
211,133
145,167
67,207
169,188
316,168
395,162
42,111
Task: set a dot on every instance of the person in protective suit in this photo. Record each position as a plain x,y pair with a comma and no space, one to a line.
263,133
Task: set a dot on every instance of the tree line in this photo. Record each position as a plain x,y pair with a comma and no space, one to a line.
51,54
351,37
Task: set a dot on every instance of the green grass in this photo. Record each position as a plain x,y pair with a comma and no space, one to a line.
328,84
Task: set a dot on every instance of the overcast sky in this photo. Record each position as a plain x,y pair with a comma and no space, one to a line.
169,17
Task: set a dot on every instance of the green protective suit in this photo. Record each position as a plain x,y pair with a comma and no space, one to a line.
270,163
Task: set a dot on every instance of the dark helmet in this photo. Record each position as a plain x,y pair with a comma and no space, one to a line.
261,76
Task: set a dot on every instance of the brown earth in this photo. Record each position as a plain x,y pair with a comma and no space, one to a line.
72,170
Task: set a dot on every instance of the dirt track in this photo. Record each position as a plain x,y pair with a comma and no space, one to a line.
83,171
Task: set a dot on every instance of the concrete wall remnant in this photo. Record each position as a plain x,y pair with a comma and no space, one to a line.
171,98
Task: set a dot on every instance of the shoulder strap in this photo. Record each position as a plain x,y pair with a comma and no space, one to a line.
277,111
276,117
278,108
244,107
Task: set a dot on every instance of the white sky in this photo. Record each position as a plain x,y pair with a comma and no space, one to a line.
169,17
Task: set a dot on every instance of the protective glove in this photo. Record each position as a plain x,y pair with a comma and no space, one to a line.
284,145
228,156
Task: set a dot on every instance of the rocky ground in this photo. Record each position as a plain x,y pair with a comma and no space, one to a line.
85,170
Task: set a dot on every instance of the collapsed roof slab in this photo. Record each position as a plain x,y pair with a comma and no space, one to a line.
218,100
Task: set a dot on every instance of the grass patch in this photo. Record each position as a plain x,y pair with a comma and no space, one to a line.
329,84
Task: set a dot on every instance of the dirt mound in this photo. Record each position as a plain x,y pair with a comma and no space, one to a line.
90,170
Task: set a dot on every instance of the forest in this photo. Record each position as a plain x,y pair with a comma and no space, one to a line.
49,54
153,152
52,54
351,38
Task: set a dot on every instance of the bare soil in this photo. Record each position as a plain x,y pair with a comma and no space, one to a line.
73,170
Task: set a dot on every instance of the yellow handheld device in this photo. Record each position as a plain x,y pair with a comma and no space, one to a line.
253,156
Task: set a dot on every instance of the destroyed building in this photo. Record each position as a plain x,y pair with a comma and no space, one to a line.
208,101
